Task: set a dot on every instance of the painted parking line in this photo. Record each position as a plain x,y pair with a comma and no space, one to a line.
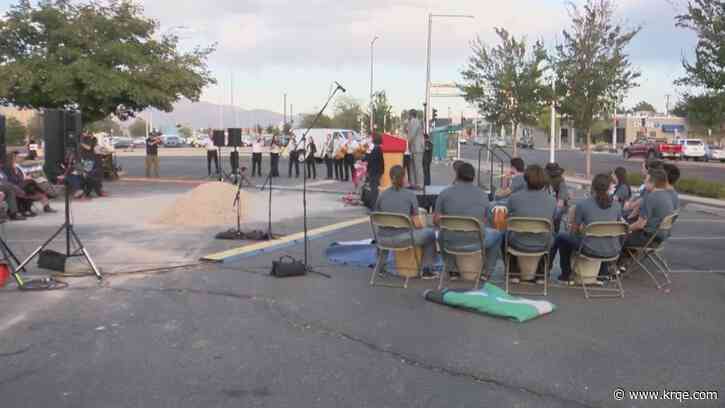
284,241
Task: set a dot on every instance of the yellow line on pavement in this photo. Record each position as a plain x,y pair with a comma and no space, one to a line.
259,246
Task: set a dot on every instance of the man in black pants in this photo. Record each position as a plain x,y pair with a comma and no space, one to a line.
294,158
310,160
351,147
211,155
329,155
427,160
257,157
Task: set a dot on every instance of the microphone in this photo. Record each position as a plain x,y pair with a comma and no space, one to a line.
340,87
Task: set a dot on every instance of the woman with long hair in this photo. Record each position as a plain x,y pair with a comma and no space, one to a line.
559,190
599,207
622,190
400,200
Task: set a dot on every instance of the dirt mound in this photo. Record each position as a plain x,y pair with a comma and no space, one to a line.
208,205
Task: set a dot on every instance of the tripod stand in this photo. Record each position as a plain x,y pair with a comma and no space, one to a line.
268,184
70,234
304,179
10,258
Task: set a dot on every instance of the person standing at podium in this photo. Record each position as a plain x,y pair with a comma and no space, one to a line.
414,133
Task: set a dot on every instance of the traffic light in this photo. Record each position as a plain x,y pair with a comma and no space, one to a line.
435,115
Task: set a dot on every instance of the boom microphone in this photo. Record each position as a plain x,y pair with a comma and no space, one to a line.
340,87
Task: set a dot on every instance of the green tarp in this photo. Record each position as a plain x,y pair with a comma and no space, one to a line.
492,300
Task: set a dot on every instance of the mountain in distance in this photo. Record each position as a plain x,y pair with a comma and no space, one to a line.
205,114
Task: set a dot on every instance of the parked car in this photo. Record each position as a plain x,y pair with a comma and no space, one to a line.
122,142
714,153
653,149
692,149
499,142
139,142
526,142
172,141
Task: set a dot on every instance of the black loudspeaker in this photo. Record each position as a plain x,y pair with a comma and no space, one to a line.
235,137
218,138
234,161
61,133
3,147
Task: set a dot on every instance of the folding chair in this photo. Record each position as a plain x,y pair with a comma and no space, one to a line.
614,230
528,225
396,221
652,250
463,225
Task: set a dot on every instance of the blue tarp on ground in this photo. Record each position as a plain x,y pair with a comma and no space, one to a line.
360,253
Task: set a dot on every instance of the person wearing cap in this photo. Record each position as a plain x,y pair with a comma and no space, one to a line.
152,155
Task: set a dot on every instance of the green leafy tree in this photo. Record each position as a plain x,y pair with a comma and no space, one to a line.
644,106
706,110
505,82
107,125
101,58
592,66
15,132
138,128
347,114
707,19
383,118
185,131
323,122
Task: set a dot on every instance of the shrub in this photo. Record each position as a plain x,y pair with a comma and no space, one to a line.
697,187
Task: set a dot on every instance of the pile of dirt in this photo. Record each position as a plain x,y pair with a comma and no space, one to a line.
210,204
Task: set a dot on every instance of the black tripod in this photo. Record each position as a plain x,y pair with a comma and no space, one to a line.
11,260
268,184
304,179
69,234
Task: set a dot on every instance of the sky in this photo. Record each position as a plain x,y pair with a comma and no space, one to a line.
273,47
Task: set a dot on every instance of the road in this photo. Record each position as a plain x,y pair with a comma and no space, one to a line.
574,160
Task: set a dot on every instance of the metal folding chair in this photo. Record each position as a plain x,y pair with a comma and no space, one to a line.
614,230
405,225
465,225
528,225
653,251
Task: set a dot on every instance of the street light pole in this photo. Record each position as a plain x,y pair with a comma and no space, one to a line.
427,64
552,141
372,61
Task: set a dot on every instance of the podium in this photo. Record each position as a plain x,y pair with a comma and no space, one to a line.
393,148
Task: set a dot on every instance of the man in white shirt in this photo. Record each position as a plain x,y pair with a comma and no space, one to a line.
339,157
416,145
351,145
211,154
294,157
257,146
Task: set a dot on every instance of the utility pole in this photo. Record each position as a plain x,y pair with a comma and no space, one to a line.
552,140
667,105
614,126
284,121
372,64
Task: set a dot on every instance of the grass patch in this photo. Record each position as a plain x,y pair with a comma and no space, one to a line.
696,187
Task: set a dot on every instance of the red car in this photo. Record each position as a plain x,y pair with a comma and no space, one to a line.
653,149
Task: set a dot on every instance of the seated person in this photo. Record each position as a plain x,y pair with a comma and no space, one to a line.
399,200
559,190
92,176
673,176
29,191
10,193
533,202
622,191
465,199
656,205
515,179
631,208
600,207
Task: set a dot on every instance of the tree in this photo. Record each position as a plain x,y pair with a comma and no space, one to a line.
505,81
138,128
259,129
185,131
644,106
383,119
15,132
707,110
323,122
347,114
272,130
707,19
592,67
100,58
107,125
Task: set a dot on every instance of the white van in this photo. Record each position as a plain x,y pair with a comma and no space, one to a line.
692,148
320,135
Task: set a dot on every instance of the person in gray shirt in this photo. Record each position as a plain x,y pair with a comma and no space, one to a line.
517,179
465,199
534,202
600,207
673,176
657,205
398,200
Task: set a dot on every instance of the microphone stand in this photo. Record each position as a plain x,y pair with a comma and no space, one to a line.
304,179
